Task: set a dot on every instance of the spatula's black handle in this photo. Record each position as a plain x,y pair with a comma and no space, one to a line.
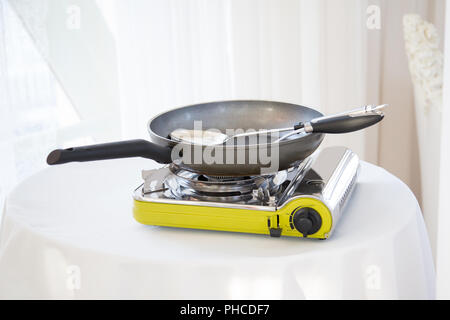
112,150
344,123
340,123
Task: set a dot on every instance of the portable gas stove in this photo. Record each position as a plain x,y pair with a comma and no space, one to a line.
304,201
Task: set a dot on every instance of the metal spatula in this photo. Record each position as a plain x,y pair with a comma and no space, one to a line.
350,121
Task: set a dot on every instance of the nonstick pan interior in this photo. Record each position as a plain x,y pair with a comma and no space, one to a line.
230,115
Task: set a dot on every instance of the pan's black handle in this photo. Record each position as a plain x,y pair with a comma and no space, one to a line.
342,123
112,150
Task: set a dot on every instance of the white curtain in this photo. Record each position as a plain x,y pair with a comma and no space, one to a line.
32,104
58,83
314,53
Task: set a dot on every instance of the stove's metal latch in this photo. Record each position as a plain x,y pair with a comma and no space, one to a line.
276,230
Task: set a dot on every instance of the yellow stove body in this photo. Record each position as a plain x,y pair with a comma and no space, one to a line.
317,192
275,223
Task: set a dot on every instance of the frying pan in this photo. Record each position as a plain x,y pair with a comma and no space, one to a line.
232,159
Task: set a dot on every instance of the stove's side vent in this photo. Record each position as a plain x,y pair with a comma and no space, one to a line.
347,192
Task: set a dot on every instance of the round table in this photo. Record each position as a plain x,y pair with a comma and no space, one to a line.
68,233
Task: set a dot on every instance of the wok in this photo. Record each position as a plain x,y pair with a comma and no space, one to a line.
235,158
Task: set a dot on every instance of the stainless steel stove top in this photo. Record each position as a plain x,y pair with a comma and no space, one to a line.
316,176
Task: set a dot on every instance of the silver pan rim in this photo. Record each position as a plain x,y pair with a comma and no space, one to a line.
258,145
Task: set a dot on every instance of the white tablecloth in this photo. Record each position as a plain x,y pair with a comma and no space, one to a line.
68,232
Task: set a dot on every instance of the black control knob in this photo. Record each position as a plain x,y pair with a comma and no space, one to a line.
306,220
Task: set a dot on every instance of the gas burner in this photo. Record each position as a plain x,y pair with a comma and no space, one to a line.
187,185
